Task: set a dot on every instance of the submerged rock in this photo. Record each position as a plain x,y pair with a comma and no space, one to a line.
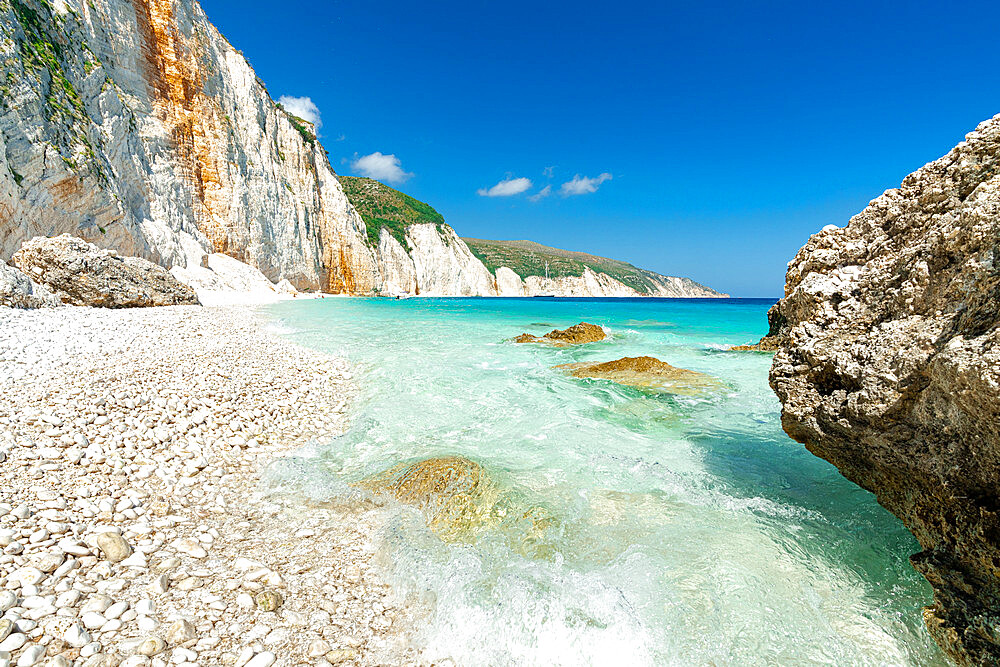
19,291
459,499
646,373
82,274
890,370
577,334
455,493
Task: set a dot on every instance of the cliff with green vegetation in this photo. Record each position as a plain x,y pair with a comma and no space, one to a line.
381,206
512,268
529,259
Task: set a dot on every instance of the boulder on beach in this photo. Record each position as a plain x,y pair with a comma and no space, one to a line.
19,291
646,373
577,334
81,274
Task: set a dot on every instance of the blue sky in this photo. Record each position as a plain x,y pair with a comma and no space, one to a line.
727,132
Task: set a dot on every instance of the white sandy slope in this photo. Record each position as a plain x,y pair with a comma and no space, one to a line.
229,282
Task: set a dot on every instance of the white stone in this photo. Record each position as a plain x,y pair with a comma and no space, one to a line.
13,642
263,659
31,656
77,636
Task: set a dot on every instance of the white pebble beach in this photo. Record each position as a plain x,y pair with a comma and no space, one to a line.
134,526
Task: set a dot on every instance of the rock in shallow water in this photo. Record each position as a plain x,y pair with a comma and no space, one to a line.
646,373
459,499
584,332
456,494
82,274
890,370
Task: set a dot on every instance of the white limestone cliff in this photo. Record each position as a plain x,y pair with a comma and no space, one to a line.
135,125
138,127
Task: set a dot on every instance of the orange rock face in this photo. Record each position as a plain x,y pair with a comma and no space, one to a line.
194,120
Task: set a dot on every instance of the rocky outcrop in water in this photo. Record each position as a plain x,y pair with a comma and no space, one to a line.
19,291
578,334
890,370
455,493
460,499
82,274
646,373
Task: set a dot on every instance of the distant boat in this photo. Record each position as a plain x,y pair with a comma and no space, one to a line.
546,295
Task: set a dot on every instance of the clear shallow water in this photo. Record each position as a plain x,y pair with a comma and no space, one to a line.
687,530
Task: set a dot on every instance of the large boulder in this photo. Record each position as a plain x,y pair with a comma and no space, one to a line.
648,373
82,274
584,332
18,291
890,370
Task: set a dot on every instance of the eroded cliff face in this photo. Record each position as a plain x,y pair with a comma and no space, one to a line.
137,126
133,124
890,369
594,284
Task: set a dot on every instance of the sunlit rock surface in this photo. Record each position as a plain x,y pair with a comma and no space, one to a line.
19,291
890,369
138,127
81,274
578,334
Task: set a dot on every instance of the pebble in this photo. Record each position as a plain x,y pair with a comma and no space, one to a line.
151,646
114,547
77,636
31,656
49,562
263,659
13,642
340,655
143,486
180,632
268,600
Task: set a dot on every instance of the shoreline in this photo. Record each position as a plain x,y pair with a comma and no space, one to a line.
155,426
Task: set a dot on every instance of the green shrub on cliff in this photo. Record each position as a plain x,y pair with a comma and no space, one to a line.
381,206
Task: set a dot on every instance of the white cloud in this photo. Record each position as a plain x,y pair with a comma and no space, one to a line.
582,185
303,107
506,188
548,171
380,167
541,194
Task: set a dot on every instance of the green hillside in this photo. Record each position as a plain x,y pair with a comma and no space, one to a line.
527,258
381,206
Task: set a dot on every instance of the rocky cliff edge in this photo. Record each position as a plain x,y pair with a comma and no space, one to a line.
890,369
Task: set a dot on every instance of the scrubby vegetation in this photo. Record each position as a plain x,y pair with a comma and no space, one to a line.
301,125
46,58
527,258
381,206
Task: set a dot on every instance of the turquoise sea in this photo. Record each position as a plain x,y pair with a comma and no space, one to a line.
687,531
